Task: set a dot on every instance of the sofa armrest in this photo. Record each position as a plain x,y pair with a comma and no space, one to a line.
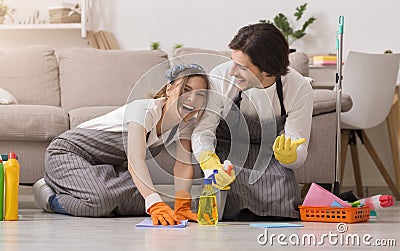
299,61
325,102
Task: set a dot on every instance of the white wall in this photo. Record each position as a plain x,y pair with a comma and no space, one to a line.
370,26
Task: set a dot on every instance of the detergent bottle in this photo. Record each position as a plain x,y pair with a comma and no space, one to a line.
1,189
11,177
207,213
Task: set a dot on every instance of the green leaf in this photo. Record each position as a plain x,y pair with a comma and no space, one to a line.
282,23
298,34
155,45
307,23
178,46
299,11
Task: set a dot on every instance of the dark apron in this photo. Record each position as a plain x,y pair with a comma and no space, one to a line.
262,184
154,151
89,171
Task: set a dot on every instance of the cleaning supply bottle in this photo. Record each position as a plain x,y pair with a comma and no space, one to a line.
207,213
377,201
11,175
1,189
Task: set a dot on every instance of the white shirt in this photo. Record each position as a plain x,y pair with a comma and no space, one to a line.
145,112
257,103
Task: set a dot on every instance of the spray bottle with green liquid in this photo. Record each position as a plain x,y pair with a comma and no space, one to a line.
207,213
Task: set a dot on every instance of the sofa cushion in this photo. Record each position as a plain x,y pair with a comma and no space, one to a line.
31,75
325,101
7,98
191,50
32,122
80,115
299,61
91,77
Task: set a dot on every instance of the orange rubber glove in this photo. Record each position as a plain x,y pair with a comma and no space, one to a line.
182,206
162,213
285,150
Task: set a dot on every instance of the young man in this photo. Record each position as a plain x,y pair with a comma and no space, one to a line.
260,114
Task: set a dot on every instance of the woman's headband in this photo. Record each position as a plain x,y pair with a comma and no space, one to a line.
183,70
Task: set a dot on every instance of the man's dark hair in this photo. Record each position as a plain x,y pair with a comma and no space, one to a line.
265,45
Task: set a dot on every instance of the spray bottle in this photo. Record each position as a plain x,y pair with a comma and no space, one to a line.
1,189
207,213
11,174
377,201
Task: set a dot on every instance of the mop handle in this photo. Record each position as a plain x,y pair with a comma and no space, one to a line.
339,48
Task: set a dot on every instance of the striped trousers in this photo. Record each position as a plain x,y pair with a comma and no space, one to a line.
88,170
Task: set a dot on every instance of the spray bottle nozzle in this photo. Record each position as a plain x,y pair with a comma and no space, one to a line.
212,176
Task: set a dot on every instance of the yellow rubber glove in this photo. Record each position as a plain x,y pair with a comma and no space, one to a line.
285,150
162,213
210,161
224,179
182,206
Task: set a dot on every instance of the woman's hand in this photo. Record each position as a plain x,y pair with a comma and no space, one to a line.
162,214
182,210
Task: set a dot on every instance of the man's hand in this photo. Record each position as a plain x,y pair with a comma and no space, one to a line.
209,160
285,150
223,179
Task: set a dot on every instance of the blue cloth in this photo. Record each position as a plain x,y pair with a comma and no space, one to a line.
55,206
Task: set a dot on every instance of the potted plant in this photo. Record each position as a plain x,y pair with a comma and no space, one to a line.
155,46
5,11
289,29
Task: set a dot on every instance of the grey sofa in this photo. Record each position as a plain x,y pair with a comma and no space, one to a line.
57,91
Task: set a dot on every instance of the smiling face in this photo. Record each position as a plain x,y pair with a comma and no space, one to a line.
190,97
246,74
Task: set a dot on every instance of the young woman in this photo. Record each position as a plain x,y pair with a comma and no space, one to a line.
98,169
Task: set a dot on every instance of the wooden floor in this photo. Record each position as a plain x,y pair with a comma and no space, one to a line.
37,230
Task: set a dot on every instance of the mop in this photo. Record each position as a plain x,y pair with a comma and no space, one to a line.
338,87
374,202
